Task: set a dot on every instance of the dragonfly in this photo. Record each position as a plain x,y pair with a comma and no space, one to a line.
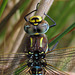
56,62
39,60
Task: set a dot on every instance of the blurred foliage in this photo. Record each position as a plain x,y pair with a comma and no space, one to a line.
61,35
3,5
22,8
63,13
15,19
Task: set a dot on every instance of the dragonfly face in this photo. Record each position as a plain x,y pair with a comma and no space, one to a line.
36,26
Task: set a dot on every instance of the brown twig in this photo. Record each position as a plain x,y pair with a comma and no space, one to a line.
1,2
44,7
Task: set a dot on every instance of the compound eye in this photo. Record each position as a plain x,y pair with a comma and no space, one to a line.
27,26
44,24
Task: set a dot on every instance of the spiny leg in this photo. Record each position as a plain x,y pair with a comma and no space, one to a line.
53,47
51,20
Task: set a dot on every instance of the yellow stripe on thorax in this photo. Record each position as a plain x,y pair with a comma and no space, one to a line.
41,40
36,34
46,49
31,42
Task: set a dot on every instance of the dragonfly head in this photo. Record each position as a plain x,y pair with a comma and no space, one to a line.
36,25
35,20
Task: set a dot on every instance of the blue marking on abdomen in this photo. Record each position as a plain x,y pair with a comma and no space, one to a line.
37,67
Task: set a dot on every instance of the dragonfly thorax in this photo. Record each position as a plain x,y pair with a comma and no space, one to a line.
36,43
36,55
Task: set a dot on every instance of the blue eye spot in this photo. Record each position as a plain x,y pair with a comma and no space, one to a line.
27,26
44,24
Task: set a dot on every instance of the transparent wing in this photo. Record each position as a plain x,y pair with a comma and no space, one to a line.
51,70
10,62
22,70
63,58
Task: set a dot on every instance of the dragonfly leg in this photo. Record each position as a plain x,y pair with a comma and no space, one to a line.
49,49
54,46
51,20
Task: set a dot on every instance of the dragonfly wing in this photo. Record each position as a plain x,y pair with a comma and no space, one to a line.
10,63
22,70
51,70
63,58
